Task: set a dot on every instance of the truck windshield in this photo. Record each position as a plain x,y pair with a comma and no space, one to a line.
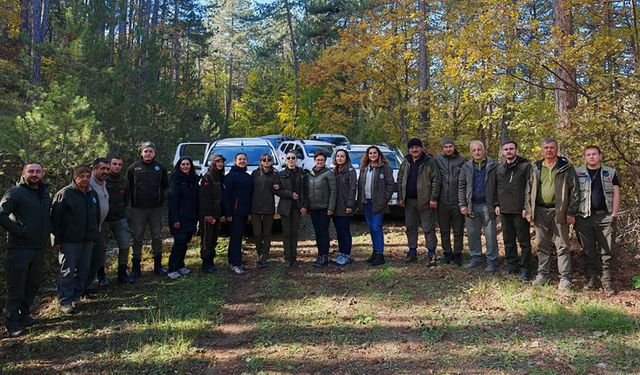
229,152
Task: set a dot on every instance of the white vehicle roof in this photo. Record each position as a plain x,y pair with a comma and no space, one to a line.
242,142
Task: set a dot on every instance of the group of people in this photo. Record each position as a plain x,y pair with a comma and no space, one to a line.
447,190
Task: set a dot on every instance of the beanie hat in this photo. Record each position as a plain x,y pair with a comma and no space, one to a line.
447,141
414,142
147,144
77,171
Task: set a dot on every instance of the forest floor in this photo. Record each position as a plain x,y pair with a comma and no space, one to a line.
352,320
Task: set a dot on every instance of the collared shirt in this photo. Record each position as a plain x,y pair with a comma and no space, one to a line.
547,194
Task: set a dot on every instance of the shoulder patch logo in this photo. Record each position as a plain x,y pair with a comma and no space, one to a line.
157,168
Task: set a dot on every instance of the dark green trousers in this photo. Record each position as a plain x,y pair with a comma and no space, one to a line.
24,273
596,237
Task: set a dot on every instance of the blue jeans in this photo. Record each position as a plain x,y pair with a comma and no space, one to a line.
179,250
481,221
374,221
75,260
320,221
236,233
343,232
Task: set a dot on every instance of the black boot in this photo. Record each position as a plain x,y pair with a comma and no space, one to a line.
321,261
136,271
457,259
208,266
372,257
102,277
13,328
378,260
157,266
123,278
447,258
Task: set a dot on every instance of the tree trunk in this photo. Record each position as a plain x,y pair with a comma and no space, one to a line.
296,64
425,98
565,86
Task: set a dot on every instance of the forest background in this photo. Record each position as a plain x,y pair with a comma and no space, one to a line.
82,78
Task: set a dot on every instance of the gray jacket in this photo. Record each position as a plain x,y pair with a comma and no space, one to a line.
322,189
449,173
382,189
346,186
465,186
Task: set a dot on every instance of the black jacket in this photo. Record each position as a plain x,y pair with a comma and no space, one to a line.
263,200
183,202
75,215
292,181
210,194
24,213
346,187
512,185
118,189
237,192
449,167
147,184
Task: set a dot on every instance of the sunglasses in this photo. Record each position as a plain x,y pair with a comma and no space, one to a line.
291,158
266,160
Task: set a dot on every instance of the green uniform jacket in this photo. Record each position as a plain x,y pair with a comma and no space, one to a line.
75,215
263,199
347,185
382,188
428,181
566,188
513,181
24,213
292,181
322,189
118,188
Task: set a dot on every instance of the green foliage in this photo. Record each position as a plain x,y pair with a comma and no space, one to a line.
636,281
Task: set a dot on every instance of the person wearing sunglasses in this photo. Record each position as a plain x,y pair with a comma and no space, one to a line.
292,206
346,186
237,192
375,188
265,183
210,198
322,204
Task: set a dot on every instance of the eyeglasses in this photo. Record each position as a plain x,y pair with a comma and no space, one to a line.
218,161
266,160
291,158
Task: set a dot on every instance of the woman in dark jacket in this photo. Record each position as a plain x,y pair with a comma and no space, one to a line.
183,213
263,206
238,189
322,203
346,186
375,188
292,206
210,198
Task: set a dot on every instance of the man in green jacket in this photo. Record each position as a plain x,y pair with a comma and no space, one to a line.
418,192
597,211
24,214
554,194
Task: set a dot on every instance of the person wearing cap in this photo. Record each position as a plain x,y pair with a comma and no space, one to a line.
210,197
477,200
597,212
148,180
24,214
449,217
99,173
265,183
75,218
418,193
514,178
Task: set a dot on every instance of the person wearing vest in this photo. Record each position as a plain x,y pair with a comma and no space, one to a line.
449,217
597,211
99,173
477,199
554,194
148,181
418,192
24,214
514,176
266,182
117,223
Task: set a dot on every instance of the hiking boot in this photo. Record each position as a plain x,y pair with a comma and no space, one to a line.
208,267
136,271
491,267
13,328
447,259
184,271
564,285
66,309
540,280
523,276
608,289
431,261
157,266
123,278
457,259
591,284
321,261
102,278
378,261
410,258
473,263
238,270
372,257
174,275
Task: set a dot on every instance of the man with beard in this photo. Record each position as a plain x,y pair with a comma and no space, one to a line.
99,173
24,214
